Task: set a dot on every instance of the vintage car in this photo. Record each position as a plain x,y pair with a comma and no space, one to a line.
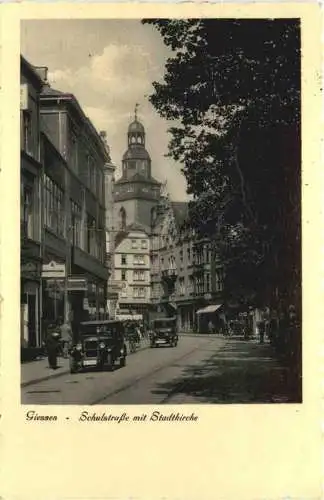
164,332
100,344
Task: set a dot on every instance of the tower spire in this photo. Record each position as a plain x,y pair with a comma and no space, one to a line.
135,112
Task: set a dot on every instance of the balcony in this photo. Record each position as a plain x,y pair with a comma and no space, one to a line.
169,275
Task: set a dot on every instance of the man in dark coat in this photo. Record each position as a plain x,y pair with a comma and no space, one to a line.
52,347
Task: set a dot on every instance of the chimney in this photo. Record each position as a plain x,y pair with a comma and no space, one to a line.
42,72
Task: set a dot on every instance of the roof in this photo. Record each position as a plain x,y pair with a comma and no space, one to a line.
121,235
138,178
32,70
47,90
135,151
136,126
180,210
136,227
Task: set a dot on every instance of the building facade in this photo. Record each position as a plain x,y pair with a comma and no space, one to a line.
186,278
30,206
74,250
136,193
132,271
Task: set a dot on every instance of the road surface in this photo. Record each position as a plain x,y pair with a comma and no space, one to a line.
151,376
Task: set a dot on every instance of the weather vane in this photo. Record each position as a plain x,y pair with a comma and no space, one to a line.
136,107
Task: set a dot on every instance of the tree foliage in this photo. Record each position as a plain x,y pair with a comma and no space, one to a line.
233,87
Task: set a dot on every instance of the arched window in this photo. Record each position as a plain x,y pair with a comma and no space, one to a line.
153,217
122,219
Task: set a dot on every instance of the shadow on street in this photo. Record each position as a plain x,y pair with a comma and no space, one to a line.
242,372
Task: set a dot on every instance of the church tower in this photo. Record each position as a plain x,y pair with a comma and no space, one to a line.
136,193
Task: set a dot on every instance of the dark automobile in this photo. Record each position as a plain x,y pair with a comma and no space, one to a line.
164,332
100,344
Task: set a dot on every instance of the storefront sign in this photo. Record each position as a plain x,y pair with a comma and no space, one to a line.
30,270
24,96
53,270
77,285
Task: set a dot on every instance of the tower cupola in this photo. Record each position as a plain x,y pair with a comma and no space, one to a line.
136,132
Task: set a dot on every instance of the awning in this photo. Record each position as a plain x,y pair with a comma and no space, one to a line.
209,309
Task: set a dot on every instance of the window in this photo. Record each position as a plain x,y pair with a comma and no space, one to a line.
124,259
144,243
54,217
74,152
134,244
139,259
189,254
28,223
181,257
100,186
208,283
92,239
139,276
181,286
122,219
75,236
123,275
139,292
191,285
27,132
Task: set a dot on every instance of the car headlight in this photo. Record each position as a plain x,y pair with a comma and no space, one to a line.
78,347
102,345
109,349
122,351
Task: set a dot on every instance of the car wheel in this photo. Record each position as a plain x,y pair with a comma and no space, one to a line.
123,362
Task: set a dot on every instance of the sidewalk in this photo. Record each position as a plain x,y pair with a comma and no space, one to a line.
239,372
39,371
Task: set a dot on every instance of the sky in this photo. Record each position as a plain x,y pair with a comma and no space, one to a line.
109,66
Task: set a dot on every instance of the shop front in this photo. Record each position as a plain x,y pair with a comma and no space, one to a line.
211,319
